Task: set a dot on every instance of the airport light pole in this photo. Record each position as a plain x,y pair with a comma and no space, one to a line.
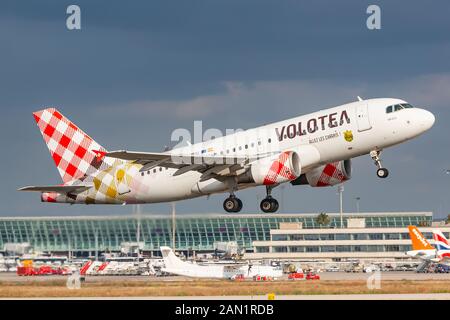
357,203
70,256
138,229
173,226
96,243
341,191
282,187
441,209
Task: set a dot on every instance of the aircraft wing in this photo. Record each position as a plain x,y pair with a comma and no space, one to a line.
177,159
208,165
132,155
58,189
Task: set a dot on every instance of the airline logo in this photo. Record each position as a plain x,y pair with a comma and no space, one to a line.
312,125
440,240
418,240
348,135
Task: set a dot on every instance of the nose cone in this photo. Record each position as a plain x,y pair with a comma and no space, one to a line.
426,119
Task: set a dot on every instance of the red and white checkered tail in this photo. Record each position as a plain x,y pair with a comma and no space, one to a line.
74,152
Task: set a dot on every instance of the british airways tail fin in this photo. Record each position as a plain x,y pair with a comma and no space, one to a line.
440,240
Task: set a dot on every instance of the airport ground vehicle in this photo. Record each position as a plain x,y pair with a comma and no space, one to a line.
332,269
442,269
371,268
296,276
42,271
312,276
355,267
262,278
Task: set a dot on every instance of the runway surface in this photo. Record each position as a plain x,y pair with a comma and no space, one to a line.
324,276
409,296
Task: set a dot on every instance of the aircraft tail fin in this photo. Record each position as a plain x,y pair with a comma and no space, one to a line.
74,152
418,240
171,261
440,240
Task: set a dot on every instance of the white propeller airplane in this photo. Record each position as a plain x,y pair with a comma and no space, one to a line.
174,265
313,149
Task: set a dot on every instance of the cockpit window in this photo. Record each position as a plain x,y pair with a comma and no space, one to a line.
398,107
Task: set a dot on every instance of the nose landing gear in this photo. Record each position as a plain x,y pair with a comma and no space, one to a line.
381,172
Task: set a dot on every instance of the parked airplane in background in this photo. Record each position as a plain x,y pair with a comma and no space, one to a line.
423,250
174,265
313,149
442,246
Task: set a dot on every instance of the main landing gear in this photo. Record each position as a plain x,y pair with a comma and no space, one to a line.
232,204
381,172
269,204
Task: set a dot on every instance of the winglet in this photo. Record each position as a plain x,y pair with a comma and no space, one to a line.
359,98
99,154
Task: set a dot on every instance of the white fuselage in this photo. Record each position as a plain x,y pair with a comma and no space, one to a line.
318,138
224,272
372,129
427,255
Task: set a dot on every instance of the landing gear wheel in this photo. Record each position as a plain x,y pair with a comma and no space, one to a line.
240,205
275,205
232,204
382,173
265,205
269,204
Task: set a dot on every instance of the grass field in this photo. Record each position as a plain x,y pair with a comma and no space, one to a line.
57,288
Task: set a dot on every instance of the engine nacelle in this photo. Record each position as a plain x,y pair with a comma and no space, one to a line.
327,175
280,168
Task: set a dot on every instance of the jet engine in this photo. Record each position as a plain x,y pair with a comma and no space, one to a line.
276,169
327,175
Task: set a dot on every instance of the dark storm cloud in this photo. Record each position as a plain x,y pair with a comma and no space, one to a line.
137,70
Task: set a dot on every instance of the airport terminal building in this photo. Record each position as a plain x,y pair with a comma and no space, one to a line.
275,236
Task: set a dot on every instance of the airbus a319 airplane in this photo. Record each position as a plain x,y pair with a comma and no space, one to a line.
313,149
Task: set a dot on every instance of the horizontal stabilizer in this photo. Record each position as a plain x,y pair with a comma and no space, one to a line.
58,189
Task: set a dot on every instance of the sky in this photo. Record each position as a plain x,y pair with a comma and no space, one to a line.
138,70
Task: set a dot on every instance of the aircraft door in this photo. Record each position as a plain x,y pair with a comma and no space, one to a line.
362,117
259,146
